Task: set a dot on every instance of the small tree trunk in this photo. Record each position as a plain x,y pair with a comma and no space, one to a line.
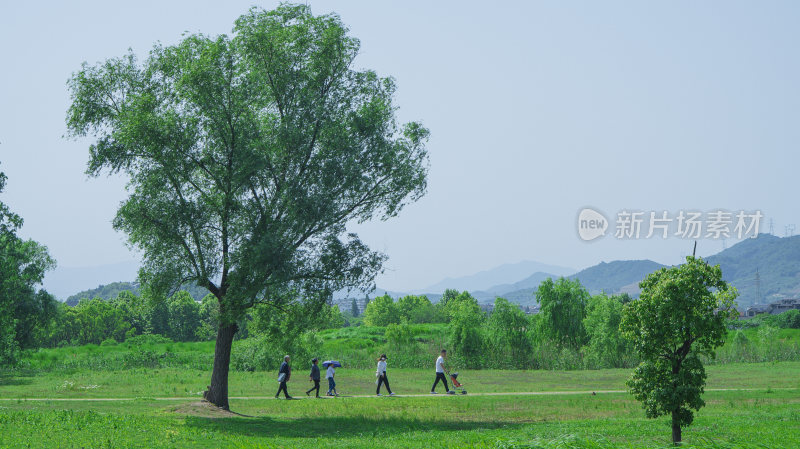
217,392
676,429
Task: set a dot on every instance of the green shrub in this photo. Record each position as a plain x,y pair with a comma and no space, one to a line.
147,340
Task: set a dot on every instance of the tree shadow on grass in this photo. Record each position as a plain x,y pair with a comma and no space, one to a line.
335,426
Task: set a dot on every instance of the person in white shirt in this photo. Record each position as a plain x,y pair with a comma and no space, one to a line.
440,373
331,383
381,374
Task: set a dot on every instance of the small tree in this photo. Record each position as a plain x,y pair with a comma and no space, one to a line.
416,309
381,311
681,315
606,347
464,329
508,331
23,308
184,317
563,308
354,308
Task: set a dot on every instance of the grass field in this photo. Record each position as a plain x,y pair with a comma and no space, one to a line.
759,407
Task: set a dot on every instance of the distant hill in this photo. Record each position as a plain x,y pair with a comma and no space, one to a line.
64,281
112,290
529,283
777,261
106,292
503,274
612,277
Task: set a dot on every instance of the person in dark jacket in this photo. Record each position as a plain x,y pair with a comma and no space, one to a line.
314,377
283,376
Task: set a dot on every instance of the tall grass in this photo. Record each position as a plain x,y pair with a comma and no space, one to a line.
359,347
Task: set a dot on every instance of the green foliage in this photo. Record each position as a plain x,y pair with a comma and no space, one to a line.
23,308
448,295
563,309
116,289
452,301
209,318
785,320
381,311
334,318
681,315
789,319
607,347
183,317
247,156
109,291
9,348
465,329
417,309
508,334
283,329
400,337
91,321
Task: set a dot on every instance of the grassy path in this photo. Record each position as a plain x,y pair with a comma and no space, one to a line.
262,398
184,383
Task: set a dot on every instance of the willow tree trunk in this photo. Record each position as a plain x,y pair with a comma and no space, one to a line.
676,429
217,392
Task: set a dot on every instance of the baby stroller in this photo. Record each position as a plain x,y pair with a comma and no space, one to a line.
456,384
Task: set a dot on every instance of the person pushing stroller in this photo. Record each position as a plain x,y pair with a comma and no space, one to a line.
440,369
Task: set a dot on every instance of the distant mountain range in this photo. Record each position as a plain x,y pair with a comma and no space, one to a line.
777,261
496,277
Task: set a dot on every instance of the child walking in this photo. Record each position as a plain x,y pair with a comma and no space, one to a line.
331,383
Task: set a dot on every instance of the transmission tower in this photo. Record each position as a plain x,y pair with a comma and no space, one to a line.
771,226
789,230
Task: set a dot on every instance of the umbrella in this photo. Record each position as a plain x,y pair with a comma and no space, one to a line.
335,364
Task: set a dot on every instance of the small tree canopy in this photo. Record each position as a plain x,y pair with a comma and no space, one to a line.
24,309
563,308
381,311
681,314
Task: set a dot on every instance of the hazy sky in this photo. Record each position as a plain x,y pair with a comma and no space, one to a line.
536,110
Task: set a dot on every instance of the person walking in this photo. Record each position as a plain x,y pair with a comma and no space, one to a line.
314,376
283,376
381,374
331,383
440,373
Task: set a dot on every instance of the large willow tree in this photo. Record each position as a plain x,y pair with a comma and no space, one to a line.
247,157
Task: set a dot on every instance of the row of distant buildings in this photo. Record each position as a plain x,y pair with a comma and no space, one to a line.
773,308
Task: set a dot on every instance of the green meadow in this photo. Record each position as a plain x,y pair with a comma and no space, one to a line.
747,405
